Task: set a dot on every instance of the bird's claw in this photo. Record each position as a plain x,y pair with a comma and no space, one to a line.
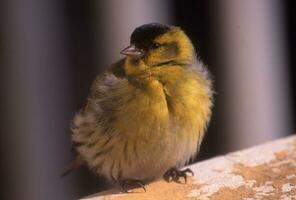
174,175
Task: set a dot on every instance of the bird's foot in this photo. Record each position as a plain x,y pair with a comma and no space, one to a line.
131,183
175,174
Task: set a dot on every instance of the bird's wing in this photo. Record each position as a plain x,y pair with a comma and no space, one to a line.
98,110
102,102
103,84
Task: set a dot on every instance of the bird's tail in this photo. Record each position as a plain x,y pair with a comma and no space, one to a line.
75,164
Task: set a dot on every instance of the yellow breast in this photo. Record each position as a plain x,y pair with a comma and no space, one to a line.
168,109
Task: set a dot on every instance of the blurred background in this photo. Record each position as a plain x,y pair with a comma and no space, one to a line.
51,50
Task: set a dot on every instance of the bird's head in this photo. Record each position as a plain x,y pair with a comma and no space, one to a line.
156,45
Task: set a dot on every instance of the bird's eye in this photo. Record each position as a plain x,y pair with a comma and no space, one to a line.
155,45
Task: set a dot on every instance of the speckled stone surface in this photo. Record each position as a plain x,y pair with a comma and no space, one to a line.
264,172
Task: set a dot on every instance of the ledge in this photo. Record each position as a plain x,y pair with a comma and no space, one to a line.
266,172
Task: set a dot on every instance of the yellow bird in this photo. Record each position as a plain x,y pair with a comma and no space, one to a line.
147,114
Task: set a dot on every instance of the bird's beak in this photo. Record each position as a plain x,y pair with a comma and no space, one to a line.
133,52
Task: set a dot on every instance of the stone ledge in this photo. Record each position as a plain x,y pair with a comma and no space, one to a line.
262,172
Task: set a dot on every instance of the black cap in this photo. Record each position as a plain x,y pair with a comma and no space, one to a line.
143,36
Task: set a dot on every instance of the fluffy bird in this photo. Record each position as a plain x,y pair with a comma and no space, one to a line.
146,115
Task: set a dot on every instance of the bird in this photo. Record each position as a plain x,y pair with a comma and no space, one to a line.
146,115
